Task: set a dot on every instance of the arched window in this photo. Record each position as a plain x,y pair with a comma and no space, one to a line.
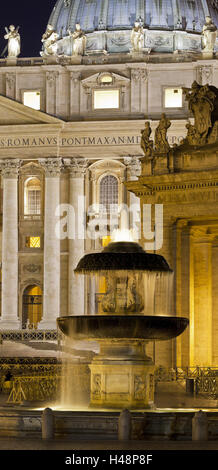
32,196
109,193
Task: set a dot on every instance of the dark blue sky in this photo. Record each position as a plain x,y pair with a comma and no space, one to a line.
32,17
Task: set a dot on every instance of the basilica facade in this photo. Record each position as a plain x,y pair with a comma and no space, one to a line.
71,122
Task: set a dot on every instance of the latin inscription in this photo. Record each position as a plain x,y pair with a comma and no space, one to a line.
76,141
68,141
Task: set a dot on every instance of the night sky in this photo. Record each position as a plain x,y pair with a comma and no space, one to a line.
32,17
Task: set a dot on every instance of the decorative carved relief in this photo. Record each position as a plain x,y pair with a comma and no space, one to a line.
51,77
96,387
94,80
205,74
139,387
75,78
10,80
32,268
139,74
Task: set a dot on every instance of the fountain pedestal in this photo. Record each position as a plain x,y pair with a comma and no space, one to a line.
122,376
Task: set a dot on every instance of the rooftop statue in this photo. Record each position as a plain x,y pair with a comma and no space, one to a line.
146,143
137,37
161,142
209,34
79,40
49,40
201,101
13,41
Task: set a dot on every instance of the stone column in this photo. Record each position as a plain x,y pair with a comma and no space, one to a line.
9,317
76,286
201,297
133,166
51,286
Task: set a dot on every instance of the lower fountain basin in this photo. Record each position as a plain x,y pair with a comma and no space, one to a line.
122,326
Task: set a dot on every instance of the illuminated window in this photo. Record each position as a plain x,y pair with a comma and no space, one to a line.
106,99
32,242
109,193
32,99
32,196
173,98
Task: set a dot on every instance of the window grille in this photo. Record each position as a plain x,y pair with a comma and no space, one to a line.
34,201
109,193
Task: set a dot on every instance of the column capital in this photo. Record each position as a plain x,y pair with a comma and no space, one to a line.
52,166
10,167
133,165
77,166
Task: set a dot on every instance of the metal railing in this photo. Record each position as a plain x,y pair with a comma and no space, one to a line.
205,378
29,335
35,388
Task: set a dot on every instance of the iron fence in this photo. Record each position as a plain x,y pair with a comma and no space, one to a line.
205,378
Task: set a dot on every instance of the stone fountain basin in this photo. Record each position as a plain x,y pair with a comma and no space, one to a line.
94,327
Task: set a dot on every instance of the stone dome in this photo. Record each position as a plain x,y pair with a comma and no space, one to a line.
108,23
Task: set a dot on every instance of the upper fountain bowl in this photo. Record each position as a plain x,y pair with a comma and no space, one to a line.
141,327
127,256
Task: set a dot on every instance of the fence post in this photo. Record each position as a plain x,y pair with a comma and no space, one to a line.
124,425
200,426
47,424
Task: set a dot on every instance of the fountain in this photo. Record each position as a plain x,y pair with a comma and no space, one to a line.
122,375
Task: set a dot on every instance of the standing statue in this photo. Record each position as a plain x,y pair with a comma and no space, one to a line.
49,40
209,34
79,40
146,143
137,37
13,41
161,142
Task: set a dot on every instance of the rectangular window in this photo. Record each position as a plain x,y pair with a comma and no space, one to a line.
106,99
33,242
32,99
173,98
34,202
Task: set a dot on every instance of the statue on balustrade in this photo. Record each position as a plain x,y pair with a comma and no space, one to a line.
49,40
146,143
13,41
161,142
137,37
209,34
79,41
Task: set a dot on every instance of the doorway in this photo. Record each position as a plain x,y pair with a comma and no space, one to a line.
32,307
